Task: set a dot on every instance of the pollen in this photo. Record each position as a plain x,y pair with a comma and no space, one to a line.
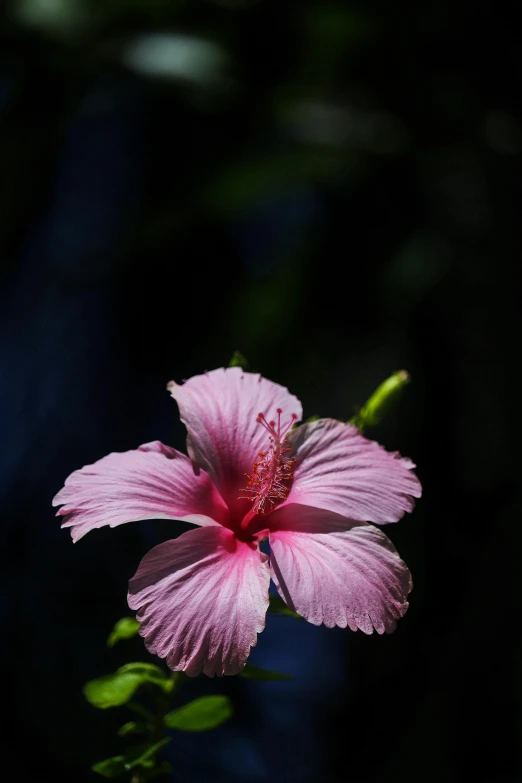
266,485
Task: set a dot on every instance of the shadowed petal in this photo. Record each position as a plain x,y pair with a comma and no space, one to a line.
354,577
340,470
202,600
301,519
220,410
153,482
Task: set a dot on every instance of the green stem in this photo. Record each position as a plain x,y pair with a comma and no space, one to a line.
157,728
142,711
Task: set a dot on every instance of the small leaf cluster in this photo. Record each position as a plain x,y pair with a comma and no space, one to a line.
158,713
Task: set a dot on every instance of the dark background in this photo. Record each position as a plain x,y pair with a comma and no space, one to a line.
334,190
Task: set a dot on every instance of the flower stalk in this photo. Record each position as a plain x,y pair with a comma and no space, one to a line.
381,402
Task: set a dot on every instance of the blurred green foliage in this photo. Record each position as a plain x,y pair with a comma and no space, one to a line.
125,628
201,714
141,756
251,672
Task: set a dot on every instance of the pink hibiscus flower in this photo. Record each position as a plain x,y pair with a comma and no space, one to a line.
201,599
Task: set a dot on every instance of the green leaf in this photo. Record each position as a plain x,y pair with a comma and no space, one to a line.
200,715
116,689
147,752
278,606
132,727
238,360
174,680
112,690
251,672
142,756
125,628
110,768
312,418
149,670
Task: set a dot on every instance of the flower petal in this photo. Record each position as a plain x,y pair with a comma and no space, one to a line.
339,470
220,410
354,577
202,600
300,519
153,482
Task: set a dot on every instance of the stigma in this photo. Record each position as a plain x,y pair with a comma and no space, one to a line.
266,485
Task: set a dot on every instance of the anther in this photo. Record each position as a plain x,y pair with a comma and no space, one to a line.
264,488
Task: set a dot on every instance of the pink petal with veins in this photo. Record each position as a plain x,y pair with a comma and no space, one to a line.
220,410
339,470
350,578
153,482
202,600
